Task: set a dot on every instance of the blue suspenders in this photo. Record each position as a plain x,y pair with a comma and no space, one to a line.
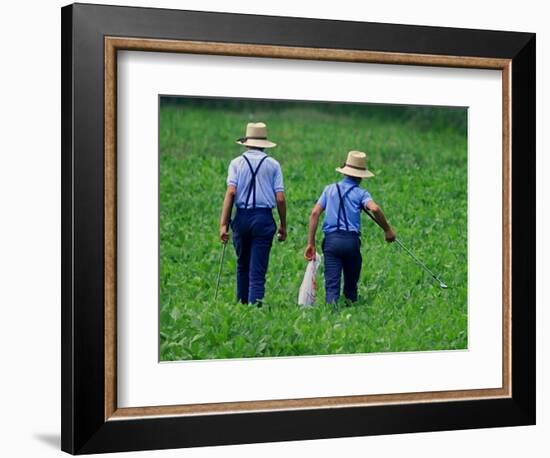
341,207
252,184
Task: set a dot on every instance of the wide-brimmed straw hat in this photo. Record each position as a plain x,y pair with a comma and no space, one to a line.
356,165
256,135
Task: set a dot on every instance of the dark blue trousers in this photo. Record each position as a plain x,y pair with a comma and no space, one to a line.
342,252
253,231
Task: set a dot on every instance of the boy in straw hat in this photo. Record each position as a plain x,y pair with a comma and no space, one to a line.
343,202
255,187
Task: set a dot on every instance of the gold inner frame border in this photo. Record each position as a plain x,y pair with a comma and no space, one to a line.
114,44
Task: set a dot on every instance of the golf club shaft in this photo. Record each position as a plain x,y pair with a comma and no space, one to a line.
409,252
220,270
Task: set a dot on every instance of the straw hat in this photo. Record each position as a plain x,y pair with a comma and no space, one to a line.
256,135
356,165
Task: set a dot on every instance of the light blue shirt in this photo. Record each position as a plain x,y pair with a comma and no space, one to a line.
269,179
353,201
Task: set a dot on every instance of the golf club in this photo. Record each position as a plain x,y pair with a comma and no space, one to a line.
220,270
410,253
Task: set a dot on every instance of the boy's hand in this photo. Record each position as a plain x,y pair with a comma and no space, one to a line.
224,234
389,235
309,254
281,234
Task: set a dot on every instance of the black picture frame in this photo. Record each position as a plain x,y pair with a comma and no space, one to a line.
84,428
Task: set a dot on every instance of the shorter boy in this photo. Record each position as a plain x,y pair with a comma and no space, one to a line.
343,202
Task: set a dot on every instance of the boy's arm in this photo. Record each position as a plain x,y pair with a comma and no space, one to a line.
278,189
281,208
226,212
389,233
309,254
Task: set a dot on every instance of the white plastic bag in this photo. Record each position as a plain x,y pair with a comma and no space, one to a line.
308,288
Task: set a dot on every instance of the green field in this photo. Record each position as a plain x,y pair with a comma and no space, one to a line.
419,156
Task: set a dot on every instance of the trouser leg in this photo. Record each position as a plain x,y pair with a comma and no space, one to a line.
333,270
352,270
242,246
263,230
259,261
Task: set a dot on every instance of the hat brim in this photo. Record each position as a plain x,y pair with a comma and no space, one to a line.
257,143
355,172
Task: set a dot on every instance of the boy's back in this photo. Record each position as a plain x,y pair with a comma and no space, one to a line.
269,178
353,198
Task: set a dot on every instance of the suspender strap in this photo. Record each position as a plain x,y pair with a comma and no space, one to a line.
342,208
252,184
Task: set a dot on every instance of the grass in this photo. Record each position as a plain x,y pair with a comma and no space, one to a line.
419,157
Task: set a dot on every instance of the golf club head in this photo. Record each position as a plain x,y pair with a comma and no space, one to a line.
442,285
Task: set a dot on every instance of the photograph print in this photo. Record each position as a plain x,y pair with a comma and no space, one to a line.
310,228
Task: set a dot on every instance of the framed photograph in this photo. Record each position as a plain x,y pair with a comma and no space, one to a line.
284,228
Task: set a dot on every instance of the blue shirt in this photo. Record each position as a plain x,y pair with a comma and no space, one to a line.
269,179
353,201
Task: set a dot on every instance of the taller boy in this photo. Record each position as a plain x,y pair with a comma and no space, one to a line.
255,187
343,202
